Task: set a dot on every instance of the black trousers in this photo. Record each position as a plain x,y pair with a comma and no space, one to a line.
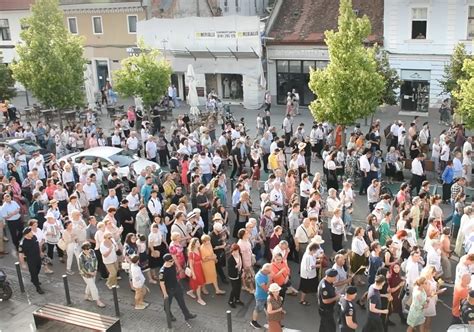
365,183
287,139
236,170
265,161
16,229
373,324
100,265
34,268
51,250
220,272
336,241
235,291
327,323
447,191
178,294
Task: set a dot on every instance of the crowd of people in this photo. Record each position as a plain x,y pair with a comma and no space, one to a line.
186,226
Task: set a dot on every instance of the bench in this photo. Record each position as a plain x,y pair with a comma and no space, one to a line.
76,317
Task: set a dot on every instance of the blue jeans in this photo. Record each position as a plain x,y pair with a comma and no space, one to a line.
347,218
206,178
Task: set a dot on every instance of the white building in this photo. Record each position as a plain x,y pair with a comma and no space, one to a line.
420,36
225,53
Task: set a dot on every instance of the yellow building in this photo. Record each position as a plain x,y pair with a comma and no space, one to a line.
109,28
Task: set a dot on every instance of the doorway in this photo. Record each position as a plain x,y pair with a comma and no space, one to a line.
102,67
415,96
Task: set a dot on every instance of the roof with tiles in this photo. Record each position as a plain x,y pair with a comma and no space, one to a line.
304,21
6,5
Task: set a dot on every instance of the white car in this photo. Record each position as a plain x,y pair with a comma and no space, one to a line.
108,156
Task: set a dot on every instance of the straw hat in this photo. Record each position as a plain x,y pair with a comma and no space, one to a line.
317,239
274,288
301,146
217,216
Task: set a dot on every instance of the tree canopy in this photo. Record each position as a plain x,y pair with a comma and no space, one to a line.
143,75
465,94
350,87
7,83
453,72
392,81
50,60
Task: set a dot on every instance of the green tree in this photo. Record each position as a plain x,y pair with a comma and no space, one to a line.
143,75
7,83
453,72
391,79
465,94
50,60
350,87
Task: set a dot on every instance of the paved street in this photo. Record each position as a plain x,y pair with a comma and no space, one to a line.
17,312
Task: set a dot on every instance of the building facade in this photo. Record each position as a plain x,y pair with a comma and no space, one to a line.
420,36
109,28
225,53
294,39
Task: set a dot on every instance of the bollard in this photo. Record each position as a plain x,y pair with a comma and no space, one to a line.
229,321
66,290
20,276
116,302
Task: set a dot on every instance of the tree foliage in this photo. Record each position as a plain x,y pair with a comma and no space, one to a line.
350,87
7,83
465,94
144,76
50,60
392,81
453,72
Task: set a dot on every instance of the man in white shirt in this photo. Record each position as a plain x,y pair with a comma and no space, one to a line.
151,149
347,199
132,142
92,194
467,146
277,200
364,166
444,155
154,204
417,172
110,201
287,128
138,283
424,137
133,199
205,164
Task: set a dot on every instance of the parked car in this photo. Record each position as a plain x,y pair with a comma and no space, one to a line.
30,146
108,156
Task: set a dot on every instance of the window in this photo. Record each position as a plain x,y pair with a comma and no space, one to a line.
237,8
419,23
132,23
470,23
282,66
97,25
72,24
5,29
295,66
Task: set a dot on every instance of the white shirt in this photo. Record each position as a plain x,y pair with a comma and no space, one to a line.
359,246
112,257
444,153
364,164
466,147
434,258
277,196
287,125
110,201
394,129
205,163
305,189
412,272
132,143
416,167
308,266
133,202
337,226
154,205
151,148
91,191
138,279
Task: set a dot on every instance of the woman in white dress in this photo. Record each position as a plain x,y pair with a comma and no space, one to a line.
467,167
429,311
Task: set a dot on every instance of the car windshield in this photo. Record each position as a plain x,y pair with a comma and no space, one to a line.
123,158
29,146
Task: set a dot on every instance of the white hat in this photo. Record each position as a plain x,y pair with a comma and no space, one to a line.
217,227
274,288
317,239
196,210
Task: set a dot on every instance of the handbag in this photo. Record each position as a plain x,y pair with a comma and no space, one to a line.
62,244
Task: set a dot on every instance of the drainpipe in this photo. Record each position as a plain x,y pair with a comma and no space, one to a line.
197,8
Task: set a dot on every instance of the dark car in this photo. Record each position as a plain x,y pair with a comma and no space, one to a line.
16,144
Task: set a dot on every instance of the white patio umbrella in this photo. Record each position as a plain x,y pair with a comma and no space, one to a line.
193,100
89,87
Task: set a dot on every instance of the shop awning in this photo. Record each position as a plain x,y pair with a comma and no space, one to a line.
207,54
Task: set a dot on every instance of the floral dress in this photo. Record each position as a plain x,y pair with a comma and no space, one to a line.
416,316
177,250
350,168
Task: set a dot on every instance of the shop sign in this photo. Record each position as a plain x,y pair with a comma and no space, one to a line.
415,75
226,34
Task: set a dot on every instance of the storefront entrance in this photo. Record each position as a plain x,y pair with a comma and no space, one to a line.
415,90
294,74
232,87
